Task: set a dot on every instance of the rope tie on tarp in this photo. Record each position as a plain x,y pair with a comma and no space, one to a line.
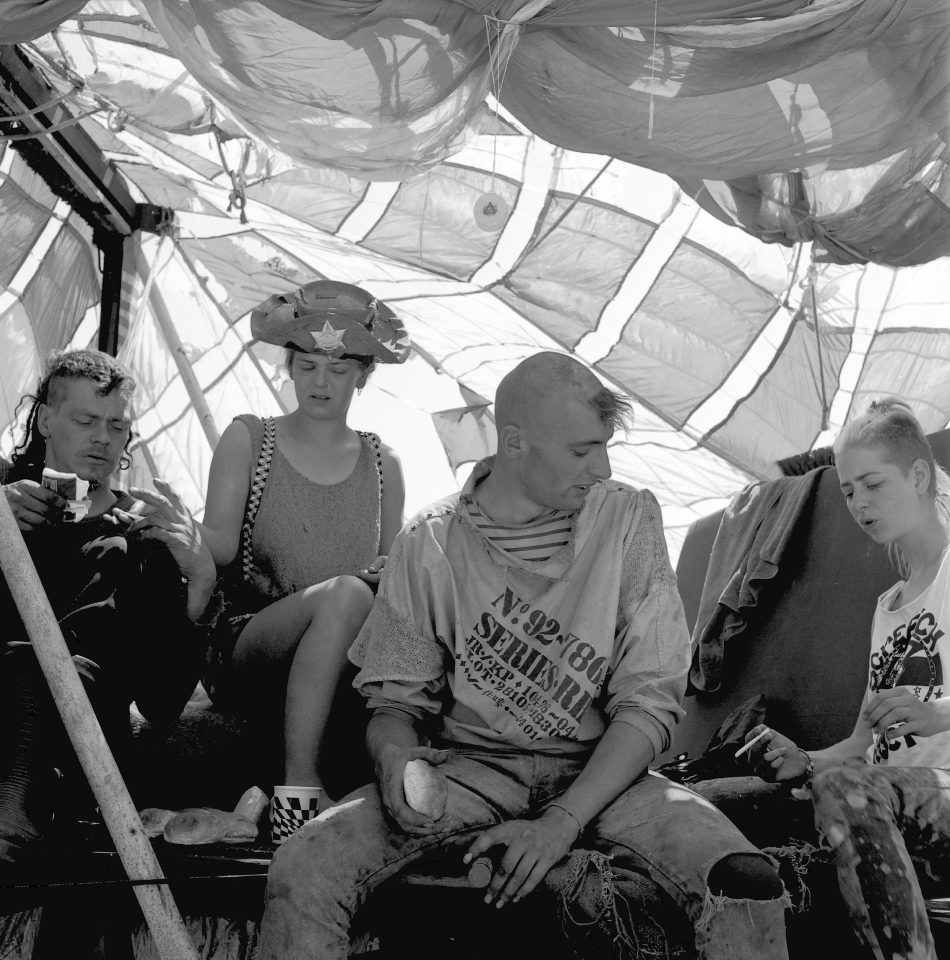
13,117
54,128
78,84
237,197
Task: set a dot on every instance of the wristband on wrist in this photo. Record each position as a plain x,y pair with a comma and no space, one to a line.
809,767
560,806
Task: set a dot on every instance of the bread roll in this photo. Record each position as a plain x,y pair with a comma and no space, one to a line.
154,820
206,825
252,804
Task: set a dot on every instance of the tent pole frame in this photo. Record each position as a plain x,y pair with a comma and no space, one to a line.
111,246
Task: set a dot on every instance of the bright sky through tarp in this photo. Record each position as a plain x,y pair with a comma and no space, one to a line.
737,352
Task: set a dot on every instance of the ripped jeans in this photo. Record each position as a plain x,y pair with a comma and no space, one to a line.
882,822
320,877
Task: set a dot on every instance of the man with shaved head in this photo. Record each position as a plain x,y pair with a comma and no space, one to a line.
529,644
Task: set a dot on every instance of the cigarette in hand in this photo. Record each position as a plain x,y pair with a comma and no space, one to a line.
748,746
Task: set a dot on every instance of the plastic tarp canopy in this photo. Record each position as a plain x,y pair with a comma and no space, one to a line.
638,174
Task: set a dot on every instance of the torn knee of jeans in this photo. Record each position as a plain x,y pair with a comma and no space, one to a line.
589,897
716,905
745,876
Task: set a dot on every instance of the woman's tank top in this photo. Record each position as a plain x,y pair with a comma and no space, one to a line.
307,532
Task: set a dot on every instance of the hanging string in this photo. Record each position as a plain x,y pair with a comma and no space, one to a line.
491,209
811,280
656,5
422,221
237,198
799,247
497,71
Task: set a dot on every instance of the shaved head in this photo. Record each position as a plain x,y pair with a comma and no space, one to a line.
534,394
554,420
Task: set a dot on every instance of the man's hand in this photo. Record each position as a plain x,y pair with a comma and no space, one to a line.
33,505
776,758
532,847
897,713
164,517
391,763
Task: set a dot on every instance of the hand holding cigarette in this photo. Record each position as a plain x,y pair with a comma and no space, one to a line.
778,759
749,744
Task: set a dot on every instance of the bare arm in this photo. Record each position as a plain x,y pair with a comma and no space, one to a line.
853,747
896,712
392,741
620,757
391,518
534,846
779,759
394,499
228,486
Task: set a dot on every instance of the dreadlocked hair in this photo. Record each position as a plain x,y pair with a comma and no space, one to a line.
889,425
105,371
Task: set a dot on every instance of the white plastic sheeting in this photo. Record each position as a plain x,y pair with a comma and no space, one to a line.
736,353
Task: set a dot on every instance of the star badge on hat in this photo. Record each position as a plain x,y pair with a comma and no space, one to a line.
354,322
328,339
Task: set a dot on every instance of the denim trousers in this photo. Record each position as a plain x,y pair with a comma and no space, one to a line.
320,877
885,824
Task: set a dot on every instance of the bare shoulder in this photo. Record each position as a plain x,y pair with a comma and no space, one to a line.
234,447
389,457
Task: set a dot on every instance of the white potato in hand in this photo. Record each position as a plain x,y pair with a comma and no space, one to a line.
425,788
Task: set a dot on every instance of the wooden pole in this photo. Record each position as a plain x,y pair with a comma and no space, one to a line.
178,352
172,940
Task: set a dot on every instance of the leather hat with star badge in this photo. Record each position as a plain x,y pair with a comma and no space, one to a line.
335,319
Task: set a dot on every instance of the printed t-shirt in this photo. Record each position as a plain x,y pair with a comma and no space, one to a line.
910,648
534,654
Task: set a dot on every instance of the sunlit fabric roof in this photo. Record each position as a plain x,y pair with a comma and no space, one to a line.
796,119
737,352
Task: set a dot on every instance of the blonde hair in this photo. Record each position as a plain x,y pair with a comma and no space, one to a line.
889,425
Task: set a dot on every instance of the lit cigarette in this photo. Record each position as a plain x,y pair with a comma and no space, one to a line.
748,746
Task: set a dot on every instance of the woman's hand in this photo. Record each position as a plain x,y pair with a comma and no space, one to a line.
775,757
373,572
532,847
897,713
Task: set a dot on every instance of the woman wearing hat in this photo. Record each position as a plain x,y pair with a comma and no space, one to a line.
303,508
